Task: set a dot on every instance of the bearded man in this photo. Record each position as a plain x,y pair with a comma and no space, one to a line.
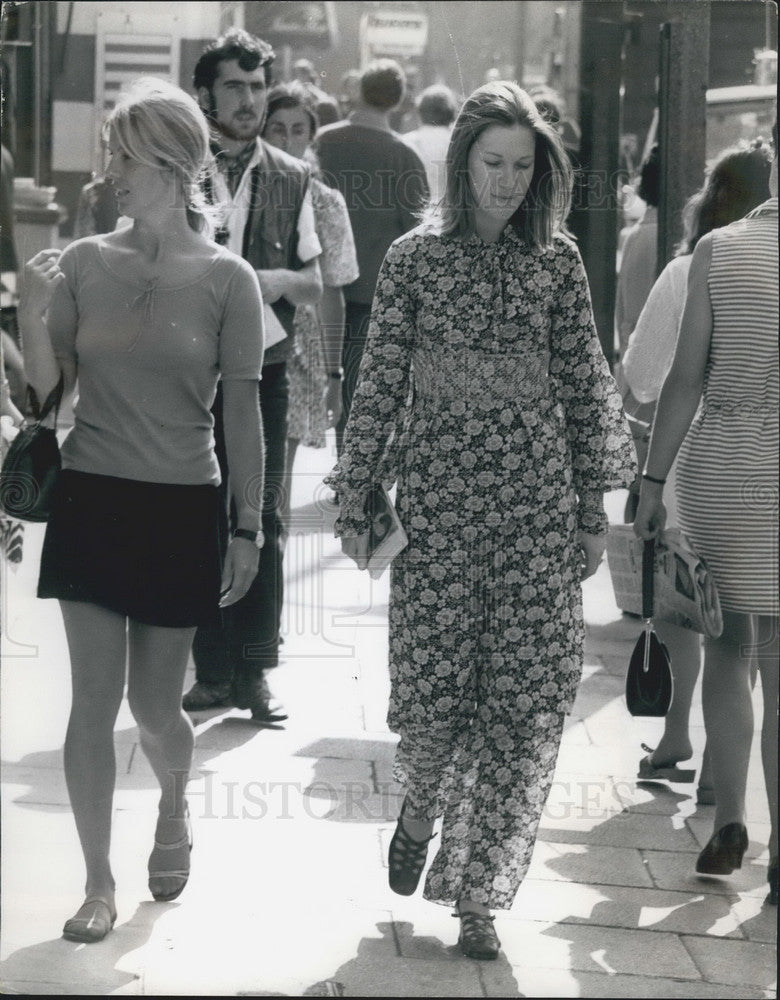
268,220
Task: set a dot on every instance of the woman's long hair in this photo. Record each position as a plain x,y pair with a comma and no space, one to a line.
736,184
158,124
548,199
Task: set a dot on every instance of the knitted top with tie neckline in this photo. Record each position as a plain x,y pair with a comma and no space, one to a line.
148,354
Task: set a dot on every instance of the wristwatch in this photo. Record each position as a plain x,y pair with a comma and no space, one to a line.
256,537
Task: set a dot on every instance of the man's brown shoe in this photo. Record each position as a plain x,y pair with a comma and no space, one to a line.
253,693
201,696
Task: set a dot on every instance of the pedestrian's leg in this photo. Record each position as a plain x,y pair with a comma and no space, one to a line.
767,656
97,644
684,647
157,663
728,714
432,697
292,450
254,621
505,774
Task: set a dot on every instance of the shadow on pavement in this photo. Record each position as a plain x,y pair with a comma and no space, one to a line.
56,966
672,898
443,973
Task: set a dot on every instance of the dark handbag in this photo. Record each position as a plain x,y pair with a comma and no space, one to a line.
32,462
649,684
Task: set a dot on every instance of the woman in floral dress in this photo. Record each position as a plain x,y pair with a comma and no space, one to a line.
485,393
314,369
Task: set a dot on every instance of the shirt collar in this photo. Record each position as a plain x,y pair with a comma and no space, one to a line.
369,118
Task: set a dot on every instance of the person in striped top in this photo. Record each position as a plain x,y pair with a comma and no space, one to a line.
727,353
737,183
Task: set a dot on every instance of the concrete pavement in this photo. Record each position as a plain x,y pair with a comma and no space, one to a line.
288,893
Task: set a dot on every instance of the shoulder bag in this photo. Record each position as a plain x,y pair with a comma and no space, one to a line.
32,463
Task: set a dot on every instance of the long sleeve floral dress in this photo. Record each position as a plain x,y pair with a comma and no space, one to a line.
484,391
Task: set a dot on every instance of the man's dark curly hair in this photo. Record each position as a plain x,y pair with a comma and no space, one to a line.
248,50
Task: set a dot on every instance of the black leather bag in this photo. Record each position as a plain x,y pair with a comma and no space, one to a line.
649,685
32,462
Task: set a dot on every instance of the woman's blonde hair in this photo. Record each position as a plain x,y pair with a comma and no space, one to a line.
548,199
158,124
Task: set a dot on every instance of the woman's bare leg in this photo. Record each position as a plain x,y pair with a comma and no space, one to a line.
97,643
157,662
685,652
728,714
767,654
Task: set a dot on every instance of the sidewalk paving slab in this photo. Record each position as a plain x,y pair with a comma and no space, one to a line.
738,963
527,981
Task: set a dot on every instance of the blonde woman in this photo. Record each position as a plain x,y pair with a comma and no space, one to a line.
147,318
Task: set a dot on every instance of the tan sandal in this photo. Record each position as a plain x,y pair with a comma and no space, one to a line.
92,921
182,874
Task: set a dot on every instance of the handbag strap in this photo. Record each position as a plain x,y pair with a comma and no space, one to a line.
52,402
648,568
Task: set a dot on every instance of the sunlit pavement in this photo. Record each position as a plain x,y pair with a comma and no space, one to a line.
288,893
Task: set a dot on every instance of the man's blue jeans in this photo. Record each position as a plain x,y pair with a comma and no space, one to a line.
247,643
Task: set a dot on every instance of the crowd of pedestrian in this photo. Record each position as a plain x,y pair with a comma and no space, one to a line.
266,262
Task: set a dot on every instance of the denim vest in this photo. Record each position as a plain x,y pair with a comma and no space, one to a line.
277,188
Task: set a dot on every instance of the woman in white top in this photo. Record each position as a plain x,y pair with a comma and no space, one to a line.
436,107
737,183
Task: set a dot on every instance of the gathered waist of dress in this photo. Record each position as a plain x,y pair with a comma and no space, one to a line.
446,377
752,407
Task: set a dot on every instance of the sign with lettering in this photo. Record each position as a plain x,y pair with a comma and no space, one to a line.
393,33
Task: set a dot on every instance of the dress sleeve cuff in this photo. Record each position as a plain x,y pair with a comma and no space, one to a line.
352,519
590,513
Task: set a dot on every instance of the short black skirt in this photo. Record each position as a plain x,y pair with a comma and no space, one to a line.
146,550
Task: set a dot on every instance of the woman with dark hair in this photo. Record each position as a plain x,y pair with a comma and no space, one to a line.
314,369
485,394
718,408
736,184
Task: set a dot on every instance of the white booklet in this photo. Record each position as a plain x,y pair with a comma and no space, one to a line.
386,536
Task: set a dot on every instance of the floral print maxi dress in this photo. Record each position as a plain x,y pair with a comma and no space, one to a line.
485,393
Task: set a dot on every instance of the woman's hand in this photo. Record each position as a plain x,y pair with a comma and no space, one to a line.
333,403
356,547
651,513
42,274
591,550
240,570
